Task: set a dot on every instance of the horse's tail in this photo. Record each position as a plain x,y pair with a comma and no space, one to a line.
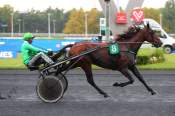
61,52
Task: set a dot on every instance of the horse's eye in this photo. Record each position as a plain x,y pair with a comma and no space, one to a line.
152,32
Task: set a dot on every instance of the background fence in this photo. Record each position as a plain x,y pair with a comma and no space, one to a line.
9,47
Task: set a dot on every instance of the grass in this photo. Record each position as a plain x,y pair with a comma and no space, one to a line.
12,63
146,52
168,64
149,51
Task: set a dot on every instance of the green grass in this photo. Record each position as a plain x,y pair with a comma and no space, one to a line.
12,63
168,64
146,51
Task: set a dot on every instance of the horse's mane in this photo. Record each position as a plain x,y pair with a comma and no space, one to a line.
131,31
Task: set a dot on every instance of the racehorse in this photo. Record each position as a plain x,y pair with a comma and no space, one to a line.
123,62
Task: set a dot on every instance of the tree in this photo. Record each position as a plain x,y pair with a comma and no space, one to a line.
5,17
169,16
37,21
58,16
93,21
152,13
75,23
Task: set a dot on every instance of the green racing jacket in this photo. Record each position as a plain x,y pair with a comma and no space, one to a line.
28,51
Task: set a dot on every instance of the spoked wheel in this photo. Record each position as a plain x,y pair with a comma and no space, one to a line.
50,89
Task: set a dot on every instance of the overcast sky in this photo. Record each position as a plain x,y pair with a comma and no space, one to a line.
24,5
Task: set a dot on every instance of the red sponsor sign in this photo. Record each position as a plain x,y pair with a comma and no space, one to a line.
137,15
121,18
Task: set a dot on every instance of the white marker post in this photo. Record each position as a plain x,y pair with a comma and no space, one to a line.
49,25
107,32
12,25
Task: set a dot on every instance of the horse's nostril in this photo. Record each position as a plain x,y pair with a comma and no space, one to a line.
157,45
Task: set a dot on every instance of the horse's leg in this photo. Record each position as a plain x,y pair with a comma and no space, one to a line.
140,77
88,71
126,73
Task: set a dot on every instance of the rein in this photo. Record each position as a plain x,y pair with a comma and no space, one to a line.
89,50
132,42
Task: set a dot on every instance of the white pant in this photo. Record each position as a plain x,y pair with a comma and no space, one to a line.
39,56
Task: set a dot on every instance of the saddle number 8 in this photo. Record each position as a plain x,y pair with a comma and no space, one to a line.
114,49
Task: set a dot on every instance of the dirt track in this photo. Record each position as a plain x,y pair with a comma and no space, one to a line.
82,100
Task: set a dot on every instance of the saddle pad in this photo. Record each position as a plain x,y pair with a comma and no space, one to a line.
114,49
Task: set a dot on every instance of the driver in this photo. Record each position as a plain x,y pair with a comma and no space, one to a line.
33,56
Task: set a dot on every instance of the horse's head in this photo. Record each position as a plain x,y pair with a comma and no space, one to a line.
151,37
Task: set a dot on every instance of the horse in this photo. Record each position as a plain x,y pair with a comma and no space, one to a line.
123,62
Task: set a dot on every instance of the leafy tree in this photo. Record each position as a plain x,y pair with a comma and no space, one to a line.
58,16
169,16
37,21
93,21
75,22
34,22
5,17
152,13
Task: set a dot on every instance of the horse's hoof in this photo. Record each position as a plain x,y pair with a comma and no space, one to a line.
119,84
116,84
153,92
106,95
1,97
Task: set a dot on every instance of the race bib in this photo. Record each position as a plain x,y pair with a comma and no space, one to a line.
114,49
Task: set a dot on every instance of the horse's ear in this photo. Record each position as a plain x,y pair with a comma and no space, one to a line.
148,26
138,28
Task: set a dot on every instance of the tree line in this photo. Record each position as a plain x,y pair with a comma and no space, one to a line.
72,21
32,21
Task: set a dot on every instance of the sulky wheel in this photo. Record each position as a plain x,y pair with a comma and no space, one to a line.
50,89
64,81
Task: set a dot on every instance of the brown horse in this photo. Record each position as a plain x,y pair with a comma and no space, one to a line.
123,62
